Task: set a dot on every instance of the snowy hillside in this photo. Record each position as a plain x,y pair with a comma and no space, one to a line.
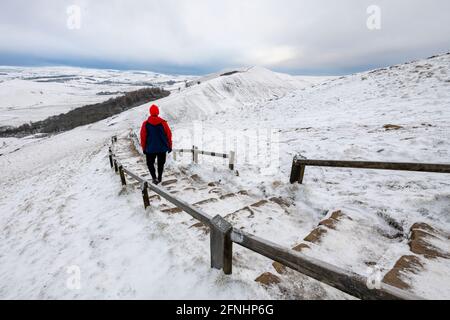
400,113
33,94
62,206
218,93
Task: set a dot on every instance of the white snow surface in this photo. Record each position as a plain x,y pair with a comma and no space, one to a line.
246,88
61,205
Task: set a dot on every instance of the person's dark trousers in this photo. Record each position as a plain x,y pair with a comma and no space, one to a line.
151,157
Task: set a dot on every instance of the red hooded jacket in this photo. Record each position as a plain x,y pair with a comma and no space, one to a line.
156,136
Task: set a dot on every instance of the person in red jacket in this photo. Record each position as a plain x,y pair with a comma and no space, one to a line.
156,142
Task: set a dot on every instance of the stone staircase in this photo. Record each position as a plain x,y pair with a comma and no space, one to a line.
213,197
352,243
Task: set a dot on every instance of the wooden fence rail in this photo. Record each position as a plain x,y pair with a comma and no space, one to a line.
195,152
223,235
299,165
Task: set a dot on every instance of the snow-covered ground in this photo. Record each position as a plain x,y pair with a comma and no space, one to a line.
61,205
344,119
33,94
249,87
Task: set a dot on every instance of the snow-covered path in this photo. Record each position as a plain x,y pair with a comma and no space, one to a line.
75,213
61,206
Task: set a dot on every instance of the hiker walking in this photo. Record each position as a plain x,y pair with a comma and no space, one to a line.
156,142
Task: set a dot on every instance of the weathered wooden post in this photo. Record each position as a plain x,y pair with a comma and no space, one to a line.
232,160
122,176
221,245
145,195
111,158
297,172
116,167
302,174
195,154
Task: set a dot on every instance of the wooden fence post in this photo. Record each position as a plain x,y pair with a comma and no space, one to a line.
297,172
302,174
221,245
145,195
195,154
111,158
122,176
232,160
116,167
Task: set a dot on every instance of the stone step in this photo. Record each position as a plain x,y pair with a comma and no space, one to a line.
200,226
223,206
426,244
429,242
402,272
172,210
168,182
313,238
206,201
316,235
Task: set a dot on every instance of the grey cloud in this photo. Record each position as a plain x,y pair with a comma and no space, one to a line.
289,35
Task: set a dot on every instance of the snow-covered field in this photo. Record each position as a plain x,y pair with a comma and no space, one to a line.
61,206
33,94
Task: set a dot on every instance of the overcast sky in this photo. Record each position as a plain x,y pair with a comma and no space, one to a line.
200,36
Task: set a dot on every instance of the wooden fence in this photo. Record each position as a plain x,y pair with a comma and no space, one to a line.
223,235
299,165
195,152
